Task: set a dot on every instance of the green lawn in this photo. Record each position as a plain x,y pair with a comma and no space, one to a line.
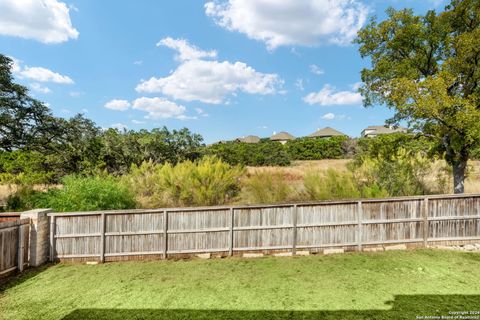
389,285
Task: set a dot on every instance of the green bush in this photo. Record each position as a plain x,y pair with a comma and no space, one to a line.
317,148
403,173
25,198
266,187
101,192
24,168
208,181
264,153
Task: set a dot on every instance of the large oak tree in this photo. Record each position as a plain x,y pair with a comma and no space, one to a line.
426,68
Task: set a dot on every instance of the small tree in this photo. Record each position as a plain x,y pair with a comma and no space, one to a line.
426,68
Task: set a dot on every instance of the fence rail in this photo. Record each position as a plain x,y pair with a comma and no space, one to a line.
14,239
351,224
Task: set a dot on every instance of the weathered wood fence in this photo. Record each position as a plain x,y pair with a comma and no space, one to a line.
109,235
14,240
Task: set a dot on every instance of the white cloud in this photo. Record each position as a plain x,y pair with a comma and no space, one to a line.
328,116
291,22
160,108
44,75
185,50
39,88
316,69
47,21
299,84
332,116
119,126
201,112
76,94
138,121
38,74
328,96
211,81
138,62
117,104
84,110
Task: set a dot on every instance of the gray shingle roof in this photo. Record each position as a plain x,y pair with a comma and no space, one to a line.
250,139
282,136
384,129
327,132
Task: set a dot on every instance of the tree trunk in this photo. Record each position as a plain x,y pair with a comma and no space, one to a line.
459,168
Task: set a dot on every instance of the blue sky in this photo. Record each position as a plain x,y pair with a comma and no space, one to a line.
224,69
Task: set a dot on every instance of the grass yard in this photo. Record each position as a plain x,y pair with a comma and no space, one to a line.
389,285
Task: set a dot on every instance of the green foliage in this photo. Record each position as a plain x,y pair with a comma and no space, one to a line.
208,181
332,185
388,144
266,187
25,198
402,173
426,68
122,149
24,168
24,121
101,192
264,153
317,148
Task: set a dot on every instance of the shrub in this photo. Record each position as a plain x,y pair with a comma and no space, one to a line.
403,173
24,168
317,148
208,181
26,198
101,192
332,185
264,153
266,187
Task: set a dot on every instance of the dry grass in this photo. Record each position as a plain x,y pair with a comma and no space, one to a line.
296,172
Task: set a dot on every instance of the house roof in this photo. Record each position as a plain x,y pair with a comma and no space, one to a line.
327,132
282,136
249,139
385,129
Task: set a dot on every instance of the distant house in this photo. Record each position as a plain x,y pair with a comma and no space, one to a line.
249,139
282,137
326,132
373,131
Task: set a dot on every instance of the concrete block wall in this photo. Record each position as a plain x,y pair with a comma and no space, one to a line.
39,241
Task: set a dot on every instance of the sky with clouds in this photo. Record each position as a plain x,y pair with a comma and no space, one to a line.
223,68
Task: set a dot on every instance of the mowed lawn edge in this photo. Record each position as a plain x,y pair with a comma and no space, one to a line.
388,285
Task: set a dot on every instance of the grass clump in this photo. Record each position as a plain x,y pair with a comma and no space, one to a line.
266,187
208,181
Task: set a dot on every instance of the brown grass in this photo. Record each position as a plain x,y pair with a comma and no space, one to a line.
295,172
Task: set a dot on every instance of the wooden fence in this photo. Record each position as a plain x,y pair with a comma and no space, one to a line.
14,241
109,235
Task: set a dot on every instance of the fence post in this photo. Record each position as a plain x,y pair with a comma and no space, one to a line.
165,234
425,222
294,231
102,236
52,238
359,221
20,248
231,242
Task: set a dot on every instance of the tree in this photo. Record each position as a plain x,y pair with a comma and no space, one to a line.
24,121
426,68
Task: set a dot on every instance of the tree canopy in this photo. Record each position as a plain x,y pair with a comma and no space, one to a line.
426,68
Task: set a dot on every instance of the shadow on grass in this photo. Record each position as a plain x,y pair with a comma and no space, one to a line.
16,279
403,307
